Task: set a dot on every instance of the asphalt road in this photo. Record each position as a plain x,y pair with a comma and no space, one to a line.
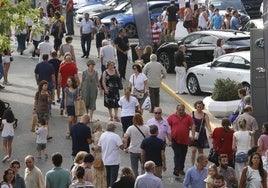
20,95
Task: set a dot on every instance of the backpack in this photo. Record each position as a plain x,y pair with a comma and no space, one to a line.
54,29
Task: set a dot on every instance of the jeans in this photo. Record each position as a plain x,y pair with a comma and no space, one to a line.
35,43
135,158
122,65
1,69
180,151
70,22
154,97
86,40
180,79
112,173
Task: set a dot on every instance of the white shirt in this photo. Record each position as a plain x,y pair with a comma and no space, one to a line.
8,129
87,26
45,48
242,141
128,107
108,54
41,135
137,81
109,143
136,137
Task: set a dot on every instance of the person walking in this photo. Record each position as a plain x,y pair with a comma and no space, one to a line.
57,30
219,51
262,141
19,181
80,181
126,179
70,17
89,85
122,46
87,34
45,47
7,58
114,29
35,38
172,12
101,33
155,72
67,47
188,17
41,138
180,69
180,123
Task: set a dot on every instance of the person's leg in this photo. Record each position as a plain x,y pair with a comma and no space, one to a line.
88,45
6,69
62,101
83,42
176,151
114,174
182,154
108,175
193,154
134,160
116,118
124,66
158,171
9,146
5,150
184,80
177,79
110,114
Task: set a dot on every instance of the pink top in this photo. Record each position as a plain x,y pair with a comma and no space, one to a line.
264,140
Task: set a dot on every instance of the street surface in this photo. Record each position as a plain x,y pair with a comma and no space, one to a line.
20,95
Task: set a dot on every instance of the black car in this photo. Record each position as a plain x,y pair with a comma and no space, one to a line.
200,46
253,7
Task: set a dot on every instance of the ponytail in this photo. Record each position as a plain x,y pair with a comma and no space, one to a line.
127,93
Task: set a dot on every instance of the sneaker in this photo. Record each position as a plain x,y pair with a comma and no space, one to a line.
8,159
181,172
49,137
5,158
32,57
2,87
176,173
7,83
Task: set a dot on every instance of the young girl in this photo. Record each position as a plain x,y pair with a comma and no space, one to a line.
212,172
8,179
71,94
41,139
7,134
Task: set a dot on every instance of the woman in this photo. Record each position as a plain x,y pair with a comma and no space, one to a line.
263,139
21,34
87,164
8,179
110,82
201,120
99,173
126,179
212,172
242,142
8,120
114,29
42,102
203,19
128,104
80,182
68,47
195,18
254,176
218,51
100,34
187,19
223,139
148,50
78,160
138,82
72,93
137,132
6,59
89,85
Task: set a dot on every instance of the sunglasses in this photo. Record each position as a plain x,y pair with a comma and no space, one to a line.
157,112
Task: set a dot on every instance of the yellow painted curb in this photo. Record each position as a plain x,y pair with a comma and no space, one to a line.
178,98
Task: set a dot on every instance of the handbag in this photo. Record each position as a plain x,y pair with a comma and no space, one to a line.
147,104
98,164
196,134
80,107
139,94
33,122
241,157
213,156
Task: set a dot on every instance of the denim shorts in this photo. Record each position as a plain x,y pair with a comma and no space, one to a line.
8,138
70,110
41,147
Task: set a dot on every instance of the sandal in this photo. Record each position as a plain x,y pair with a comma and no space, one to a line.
67,136
111,119
116,119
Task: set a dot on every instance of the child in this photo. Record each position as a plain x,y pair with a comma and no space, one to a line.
219,181
212,172
41,139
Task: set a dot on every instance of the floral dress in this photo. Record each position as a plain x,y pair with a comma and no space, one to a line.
111,99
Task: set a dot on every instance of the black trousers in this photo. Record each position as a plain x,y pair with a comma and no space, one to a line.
122,65
154,97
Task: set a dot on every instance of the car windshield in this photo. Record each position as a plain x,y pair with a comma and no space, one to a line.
243,41
129,11
122,5
223,4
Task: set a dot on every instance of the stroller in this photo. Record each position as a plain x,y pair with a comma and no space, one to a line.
3,107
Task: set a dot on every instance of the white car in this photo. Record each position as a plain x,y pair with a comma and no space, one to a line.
236,66
261,8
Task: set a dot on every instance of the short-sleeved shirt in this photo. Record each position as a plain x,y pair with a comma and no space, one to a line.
138,81
122,43
45,48
58,177
153,147
235,23
137,137
44,71
41,133
71,96
110,143
128,107
80,133
217,21
179,59
163,127
226,174
87,26
66,70
252,124
172,11
195,178
180,127
108,54
8,129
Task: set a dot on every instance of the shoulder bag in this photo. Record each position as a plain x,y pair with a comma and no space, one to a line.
213,154
140,131
139,94
196,134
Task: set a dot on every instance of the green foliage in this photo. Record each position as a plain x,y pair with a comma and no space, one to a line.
13,16
226,90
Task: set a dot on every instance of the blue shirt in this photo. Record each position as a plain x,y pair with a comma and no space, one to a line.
235,23
217,21
194,178
148,180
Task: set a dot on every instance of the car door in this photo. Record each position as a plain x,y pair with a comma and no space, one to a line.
218,69
239,70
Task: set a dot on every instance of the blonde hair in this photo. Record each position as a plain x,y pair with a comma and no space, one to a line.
148,49
79,156
242,123
96,126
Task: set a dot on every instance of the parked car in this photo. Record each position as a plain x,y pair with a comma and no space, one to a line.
200,46
252,7
80,4
236,66
261,8
126,20
254,23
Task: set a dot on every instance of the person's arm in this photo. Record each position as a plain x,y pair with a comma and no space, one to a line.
260,144
59,80
41,182
37,78
186,181
104,83
77,79
73,54
65,101
184,64
208,123
163,157
193,131
54,80
163,71
169,139
264,179
82,80
89,140
243,178
147,87
252,142
142,158
234,143
125,138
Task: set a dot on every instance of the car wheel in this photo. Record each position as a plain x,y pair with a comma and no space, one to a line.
131,30
165,60
247,87
193,85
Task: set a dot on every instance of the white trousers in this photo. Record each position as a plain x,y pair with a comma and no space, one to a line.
180,79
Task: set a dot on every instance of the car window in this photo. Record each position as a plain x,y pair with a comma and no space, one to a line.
240,63
243,41
208,40
156,10
192,39
224,61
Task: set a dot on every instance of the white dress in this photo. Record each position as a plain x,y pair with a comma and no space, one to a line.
253,178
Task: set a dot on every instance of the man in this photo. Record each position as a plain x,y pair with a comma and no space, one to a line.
45,71
196,175
107,53
180,69
109,144
87,34
70,17
33,176
45,47
219,181
19,181
57,177
235,22
153,149
155,72
172,11
81,136
122,47
148,179
180,124
156,35
227,171
162,125
216,20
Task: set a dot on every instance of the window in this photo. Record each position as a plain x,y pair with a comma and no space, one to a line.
240,63
192,39
223,61
208,40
